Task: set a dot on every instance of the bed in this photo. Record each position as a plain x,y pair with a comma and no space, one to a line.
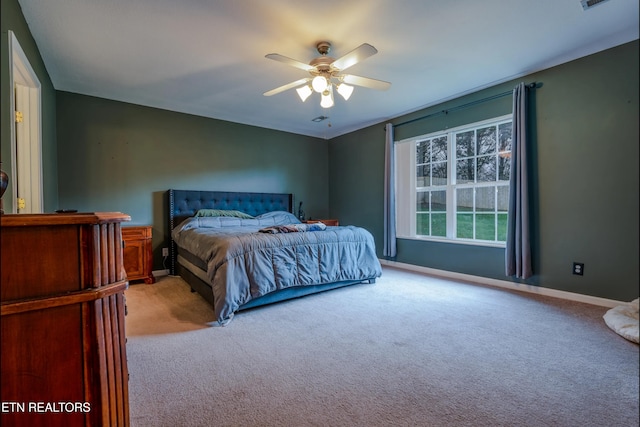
243,250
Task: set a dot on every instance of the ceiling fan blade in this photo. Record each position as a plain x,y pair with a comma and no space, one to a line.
289,61
358,54
365,82
286,87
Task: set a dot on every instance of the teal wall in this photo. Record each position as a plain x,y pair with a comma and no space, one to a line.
115,156
585,186
12,19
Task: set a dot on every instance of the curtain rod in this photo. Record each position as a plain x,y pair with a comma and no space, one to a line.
468,104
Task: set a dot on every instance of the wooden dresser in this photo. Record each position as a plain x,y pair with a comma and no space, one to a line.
63,354
138,253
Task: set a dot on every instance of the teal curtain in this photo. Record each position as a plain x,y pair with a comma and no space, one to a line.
518,247
389,249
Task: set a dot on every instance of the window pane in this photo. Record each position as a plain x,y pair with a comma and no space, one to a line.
464,144
486,226
504,136
486,168
439,149
422,201
464,200
464,171
504,166
486,141
502,227
464,226
422,224
422,175
503,198
422,152
439,225
438,201
439,173
485,199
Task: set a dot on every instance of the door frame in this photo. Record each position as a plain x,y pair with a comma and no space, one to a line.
20,71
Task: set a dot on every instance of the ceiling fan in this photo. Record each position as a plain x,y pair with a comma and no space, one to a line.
325,72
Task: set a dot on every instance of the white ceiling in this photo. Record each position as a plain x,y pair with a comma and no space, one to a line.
207,57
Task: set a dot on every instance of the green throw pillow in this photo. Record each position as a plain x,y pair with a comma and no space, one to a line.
222,212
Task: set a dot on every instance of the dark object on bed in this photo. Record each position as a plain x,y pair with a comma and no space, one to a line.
297,263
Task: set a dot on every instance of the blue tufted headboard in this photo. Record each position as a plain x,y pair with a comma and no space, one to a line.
185,203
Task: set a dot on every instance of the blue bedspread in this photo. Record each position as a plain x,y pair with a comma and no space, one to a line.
244,263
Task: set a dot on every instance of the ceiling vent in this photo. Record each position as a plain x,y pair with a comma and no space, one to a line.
588,4
319,119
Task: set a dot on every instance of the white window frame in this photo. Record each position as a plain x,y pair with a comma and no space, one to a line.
406,189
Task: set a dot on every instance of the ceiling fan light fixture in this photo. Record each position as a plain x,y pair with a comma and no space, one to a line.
326,101
325,74
304,92
319,83
345,90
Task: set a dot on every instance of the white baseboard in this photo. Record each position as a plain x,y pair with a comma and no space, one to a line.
538,290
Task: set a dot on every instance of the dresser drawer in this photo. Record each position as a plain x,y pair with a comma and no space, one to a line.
133,233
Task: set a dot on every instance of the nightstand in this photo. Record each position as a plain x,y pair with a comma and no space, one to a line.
138,253
328,222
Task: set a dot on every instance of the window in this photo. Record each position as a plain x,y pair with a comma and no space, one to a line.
454,184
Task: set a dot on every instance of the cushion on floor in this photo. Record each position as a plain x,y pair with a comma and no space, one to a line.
623,319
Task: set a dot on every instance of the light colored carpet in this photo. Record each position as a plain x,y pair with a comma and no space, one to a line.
410,350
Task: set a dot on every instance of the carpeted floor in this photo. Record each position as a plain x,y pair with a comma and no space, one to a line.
410,350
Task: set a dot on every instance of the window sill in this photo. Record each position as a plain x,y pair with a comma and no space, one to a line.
455,241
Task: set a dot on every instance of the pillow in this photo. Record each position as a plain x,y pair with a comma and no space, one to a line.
222,212
278,218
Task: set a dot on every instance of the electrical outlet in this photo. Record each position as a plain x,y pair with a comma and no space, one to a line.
578,268
165,251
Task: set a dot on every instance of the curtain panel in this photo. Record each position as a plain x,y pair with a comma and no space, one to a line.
518,245
389,249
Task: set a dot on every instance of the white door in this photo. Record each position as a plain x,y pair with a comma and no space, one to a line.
28,158
26,148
